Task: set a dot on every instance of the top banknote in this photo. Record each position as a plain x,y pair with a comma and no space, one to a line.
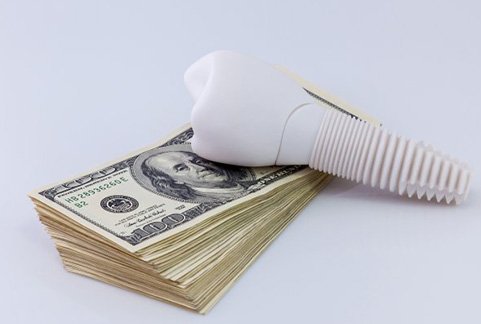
159,191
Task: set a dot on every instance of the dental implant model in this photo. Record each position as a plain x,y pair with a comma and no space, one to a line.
246,112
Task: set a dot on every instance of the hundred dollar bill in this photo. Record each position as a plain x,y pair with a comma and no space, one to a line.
158,191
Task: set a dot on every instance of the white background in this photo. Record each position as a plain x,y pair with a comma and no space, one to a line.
84,82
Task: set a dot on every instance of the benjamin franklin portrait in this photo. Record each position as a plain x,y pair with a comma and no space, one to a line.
176,172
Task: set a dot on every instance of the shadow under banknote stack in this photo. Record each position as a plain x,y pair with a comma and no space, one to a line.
169,224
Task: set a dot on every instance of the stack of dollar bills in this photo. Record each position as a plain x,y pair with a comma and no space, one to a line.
170,225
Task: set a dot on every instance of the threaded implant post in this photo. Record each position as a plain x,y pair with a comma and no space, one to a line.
356,150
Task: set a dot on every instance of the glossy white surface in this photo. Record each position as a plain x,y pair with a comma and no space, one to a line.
241,108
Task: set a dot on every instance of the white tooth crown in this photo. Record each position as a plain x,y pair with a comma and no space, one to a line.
350,148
